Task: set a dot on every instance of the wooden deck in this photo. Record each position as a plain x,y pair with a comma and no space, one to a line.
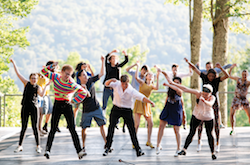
234,149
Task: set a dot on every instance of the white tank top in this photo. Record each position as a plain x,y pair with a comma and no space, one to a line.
202,111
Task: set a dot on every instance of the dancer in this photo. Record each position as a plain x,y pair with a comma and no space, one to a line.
91,107
64,85
203,111
29,106
210,78
47,103
240,100
144,70
112,71
209,65
142,108
134,83
123,99
172,113
175,72
81,66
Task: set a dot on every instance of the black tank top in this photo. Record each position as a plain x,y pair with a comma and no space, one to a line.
30,94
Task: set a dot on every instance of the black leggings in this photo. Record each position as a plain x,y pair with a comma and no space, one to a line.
32,110
62,107
193,126
127,115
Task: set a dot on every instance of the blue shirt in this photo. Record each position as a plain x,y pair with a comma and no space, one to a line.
134,82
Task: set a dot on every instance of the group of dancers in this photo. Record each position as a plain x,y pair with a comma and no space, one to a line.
128,99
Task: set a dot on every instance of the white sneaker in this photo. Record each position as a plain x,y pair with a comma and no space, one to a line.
18,149
157,151
38,149
176,153
81,154
199,147
217,149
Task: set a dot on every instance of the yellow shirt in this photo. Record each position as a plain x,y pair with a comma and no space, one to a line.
42,81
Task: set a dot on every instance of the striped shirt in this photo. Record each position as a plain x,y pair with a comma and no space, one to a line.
62,89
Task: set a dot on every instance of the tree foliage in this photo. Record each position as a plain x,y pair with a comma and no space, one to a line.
10,36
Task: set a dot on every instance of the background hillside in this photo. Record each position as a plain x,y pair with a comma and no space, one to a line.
92,28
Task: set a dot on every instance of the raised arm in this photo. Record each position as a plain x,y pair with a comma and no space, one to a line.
166,76
226,75
187,90
125,61
109,81
193,67
130,67
140,81
102,68
230,73
24,81
47,73
41,91
178,90
157,79
91,71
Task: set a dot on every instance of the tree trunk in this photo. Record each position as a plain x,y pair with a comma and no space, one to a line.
195,43
220,50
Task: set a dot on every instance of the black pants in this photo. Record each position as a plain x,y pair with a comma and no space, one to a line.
127,115
32,110
193,126
62,107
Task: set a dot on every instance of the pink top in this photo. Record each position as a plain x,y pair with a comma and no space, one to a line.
204,111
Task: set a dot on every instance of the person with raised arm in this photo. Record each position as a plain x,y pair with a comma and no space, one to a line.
240,96
203,111
91,106
112,71
64,86
209,65
172,113
29,106
124,94
210,78
176,73
141,108
81,66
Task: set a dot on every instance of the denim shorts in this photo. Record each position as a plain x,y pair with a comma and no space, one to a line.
46,104
96,114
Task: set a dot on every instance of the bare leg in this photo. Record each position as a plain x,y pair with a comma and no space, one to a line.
103,133
247,110
232,118
47,118
137,121
178,136
161,131
83,137
150,127
40,119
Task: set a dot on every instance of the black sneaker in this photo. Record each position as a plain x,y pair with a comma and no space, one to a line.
106,152
182,152
139,153
58,130
214,157
47,154
45,129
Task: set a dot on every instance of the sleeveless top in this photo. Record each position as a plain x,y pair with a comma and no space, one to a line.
142,107
241,89
30,94
202,111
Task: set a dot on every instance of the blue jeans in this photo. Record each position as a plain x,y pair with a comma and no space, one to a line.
106,93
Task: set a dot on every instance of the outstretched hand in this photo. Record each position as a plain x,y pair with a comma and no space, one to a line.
102,58
125,53
165,84
186,59
11,60
218,65
234,65
153,104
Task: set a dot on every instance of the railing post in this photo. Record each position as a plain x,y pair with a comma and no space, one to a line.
4,110
0,110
